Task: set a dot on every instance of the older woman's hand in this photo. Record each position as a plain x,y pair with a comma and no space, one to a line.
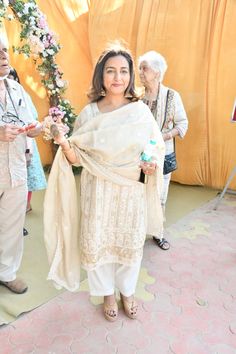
148,167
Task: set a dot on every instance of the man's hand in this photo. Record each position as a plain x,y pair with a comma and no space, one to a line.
8,132
34,129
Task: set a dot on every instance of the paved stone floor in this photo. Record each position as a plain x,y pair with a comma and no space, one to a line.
186,296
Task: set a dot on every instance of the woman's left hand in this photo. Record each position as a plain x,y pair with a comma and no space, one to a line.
148,167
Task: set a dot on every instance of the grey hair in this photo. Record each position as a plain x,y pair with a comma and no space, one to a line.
156,62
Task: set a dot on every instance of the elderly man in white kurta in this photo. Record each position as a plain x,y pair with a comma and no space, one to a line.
15,115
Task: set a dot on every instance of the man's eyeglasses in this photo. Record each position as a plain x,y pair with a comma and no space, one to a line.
10,118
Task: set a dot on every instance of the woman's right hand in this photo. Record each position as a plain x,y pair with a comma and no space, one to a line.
58,132
55,130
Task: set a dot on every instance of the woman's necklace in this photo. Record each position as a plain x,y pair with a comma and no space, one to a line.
153,104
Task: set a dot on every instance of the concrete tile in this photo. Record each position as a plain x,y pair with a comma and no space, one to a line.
223,349
189,344
22,349
59,344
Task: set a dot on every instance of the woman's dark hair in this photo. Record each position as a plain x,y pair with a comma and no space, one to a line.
97,90
14,74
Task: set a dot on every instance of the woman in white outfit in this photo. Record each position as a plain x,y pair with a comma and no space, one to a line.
109,136
152,68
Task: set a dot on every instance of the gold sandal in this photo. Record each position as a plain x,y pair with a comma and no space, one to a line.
110,311
130,307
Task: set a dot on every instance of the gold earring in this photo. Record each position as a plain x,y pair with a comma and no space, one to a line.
103,93
128,95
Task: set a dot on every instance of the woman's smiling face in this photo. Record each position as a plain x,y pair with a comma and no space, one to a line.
116,75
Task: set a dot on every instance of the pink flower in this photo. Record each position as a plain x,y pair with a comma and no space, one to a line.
56,113
46,44
42,22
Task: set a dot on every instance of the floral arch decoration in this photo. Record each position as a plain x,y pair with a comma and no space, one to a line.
42,44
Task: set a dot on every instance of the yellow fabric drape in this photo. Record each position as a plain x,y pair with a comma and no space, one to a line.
197,39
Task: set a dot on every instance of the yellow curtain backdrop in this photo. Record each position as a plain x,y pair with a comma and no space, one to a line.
197,39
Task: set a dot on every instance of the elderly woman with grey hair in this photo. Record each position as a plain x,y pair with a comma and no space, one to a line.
168,110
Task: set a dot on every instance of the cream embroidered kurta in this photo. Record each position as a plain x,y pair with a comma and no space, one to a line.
115,209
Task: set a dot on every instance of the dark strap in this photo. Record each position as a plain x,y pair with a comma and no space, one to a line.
165,116
167,98
8,91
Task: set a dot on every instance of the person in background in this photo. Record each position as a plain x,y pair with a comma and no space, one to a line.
35,175
114,209
16,123
152,68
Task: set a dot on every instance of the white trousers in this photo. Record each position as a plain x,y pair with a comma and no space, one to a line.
164,195
12,218
165,189
105,279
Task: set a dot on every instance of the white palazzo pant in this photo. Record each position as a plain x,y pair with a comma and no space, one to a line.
165,190
105,279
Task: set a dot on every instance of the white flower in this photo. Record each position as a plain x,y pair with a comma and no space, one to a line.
26,10
60,83
38,32
28,6
5,3
51,86
10,17
50,51
32,20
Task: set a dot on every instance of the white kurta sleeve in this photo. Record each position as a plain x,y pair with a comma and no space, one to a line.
180,117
